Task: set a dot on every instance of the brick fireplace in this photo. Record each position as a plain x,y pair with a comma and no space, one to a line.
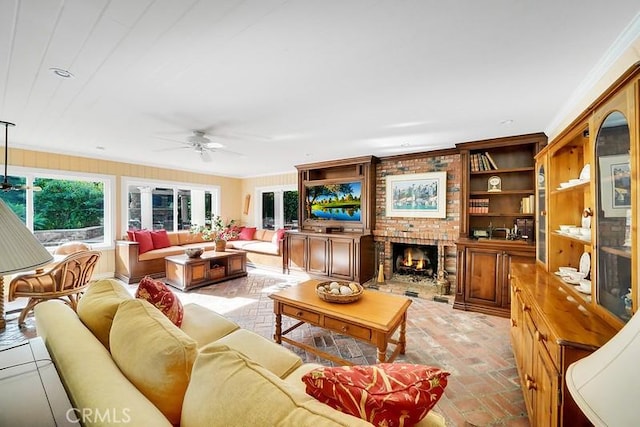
438,233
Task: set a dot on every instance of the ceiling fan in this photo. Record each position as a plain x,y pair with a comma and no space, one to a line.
201,145
6,185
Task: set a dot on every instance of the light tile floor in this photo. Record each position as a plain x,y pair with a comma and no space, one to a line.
483,388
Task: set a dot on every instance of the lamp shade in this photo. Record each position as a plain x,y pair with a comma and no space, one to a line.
19,249
606,384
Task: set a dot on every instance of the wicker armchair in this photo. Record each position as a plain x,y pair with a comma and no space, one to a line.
67,279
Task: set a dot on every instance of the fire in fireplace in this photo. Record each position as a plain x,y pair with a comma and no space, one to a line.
415,261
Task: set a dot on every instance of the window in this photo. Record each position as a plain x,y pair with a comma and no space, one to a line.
65,207
166,205
278,208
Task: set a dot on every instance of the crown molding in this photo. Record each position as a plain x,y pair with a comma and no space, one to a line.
623,42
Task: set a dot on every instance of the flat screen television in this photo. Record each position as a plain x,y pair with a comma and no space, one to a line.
336,202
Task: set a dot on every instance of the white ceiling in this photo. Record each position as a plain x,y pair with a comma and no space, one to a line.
291,82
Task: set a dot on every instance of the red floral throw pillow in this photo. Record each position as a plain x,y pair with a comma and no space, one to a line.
386,394
161,297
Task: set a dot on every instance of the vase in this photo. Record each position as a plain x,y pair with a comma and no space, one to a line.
221,245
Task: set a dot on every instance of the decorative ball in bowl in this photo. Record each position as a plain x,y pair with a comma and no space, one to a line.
194,252
339,292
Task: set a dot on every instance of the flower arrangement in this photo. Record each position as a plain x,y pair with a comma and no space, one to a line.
216,229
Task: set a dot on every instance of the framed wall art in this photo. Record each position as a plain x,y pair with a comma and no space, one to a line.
615,183
421,195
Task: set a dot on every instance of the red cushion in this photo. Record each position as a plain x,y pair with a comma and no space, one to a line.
247,233
160,239
143,237
131,235
161,297
279,235
386,394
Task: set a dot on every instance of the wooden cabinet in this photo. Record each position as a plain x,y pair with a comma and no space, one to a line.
591,175
483,274
549,331
211,267
496,218
341,256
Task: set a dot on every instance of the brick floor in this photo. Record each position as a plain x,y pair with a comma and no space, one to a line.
483,388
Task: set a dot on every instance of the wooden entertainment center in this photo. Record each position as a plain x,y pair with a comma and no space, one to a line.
335,239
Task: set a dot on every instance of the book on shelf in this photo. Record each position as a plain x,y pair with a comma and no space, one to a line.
482,162
490,160
527,204
478,205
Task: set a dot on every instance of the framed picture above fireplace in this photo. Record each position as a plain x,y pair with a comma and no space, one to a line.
420,195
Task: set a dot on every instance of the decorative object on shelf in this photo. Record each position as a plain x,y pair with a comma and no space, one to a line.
585,173
21,251
421,195
604,384
585,264
586,218
194,252
339,292
216,231
494,184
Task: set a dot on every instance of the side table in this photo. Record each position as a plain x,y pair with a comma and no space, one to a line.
31,393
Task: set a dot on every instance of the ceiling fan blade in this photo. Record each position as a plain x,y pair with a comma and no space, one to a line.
186,147
205,156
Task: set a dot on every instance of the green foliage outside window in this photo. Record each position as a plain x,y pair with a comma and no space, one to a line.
65,204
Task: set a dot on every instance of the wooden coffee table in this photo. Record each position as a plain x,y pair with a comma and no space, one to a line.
374,318
212,266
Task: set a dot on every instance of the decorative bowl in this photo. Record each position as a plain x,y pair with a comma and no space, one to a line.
323,290
567,270
194,252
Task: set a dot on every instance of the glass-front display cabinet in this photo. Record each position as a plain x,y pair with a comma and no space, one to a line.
614,206
541,207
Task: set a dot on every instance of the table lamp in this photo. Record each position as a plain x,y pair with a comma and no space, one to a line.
19,250
606,384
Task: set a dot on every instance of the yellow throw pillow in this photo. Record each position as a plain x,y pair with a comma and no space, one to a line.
99,304
227,389
154,354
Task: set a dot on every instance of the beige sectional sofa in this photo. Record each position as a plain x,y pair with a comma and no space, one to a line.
132,266
122,357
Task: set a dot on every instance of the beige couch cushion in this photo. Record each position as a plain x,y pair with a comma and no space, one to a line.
90,376
154,354
238,392
266,353
99,304
264,235
205,326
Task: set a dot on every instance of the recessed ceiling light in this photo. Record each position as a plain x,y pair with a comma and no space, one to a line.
405,144
506,122
99,147
60,72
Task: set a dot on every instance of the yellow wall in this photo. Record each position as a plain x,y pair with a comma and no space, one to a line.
248,187
232,190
